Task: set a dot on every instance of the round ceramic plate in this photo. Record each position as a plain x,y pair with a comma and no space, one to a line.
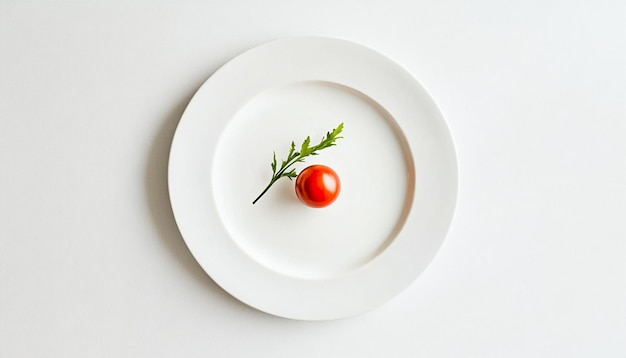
396,162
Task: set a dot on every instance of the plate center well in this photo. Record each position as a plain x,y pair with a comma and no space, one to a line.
373,162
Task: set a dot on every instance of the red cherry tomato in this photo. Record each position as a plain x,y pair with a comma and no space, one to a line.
317,186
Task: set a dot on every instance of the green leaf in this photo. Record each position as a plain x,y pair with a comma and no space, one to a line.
305,146
291,150
291,174
337,131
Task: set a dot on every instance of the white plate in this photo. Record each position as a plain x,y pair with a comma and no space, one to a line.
396,162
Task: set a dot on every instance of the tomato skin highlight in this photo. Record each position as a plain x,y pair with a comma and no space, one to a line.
317,186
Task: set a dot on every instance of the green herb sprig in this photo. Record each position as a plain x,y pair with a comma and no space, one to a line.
298,156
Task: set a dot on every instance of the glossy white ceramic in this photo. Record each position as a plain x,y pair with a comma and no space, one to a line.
396,162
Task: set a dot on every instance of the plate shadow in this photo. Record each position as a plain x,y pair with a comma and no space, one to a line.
157,197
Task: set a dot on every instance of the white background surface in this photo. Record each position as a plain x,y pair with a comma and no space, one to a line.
91,262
